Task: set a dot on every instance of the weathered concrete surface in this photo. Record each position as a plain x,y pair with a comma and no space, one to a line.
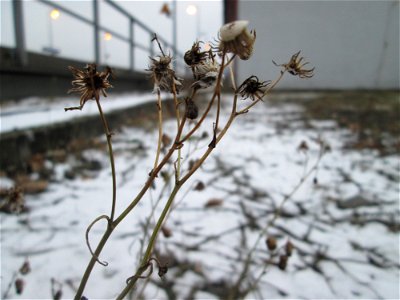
49,76
18,146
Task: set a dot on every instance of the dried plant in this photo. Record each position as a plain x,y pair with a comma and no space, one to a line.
207,66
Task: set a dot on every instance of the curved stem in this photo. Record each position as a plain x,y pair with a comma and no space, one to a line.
92,262
135,201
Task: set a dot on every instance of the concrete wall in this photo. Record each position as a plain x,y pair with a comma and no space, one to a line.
352,44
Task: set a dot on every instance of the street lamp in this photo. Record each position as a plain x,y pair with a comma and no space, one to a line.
54,15
106,37
193,10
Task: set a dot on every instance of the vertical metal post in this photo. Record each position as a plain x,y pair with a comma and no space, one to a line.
131,44
151,46
174,32
21,55
96,32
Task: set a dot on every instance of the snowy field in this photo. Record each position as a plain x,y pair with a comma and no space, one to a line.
343,221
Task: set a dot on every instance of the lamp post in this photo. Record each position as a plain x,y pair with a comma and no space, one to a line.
193,10
107,37
54,15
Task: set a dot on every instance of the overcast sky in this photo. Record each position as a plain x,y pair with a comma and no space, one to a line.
74,39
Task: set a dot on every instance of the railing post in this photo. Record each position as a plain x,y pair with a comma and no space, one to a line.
131,44
22,57
96,32
151,46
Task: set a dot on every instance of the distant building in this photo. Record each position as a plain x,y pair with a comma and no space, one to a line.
352,44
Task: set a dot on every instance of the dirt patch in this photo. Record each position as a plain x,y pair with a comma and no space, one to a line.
373,117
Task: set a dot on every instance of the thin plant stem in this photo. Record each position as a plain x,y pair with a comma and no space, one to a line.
111,157
277,213
112,225
160,128
150,246
178,161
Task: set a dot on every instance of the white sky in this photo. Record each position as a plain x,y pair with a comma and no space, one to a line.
74,39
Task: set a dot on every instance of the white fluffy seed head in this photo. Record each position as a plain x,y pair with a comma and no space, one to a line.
232,30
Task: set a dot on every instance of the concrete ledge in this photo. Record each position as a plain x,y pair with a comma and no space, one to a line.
49,76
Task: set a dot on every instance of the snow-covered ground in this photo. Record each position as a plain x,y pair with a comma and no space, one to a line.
35,112
344,225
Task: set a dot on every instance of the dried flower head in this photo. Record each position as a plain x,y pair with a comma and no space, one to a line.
206,74
89,82
251,87
235,38
295,67
163,75
195,56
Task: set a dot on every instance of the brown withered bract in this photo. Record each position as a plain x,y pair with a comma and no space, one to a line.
271,243
303,147
192,111
214,202
295,66
289,248
251,87
199,186
162,270
25,268
167,232
19,286
89,83
282,264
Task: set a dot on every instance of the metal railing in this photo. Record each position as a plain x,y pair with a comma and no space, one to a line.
97,27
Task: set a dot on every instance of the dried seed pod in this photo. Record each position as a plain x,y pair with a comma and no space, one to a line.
166,231
214,202
303,147
282,264
289,248
162,270
271,243
200,186
192,111
25,268
19,286
166,140
57,295
235,38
